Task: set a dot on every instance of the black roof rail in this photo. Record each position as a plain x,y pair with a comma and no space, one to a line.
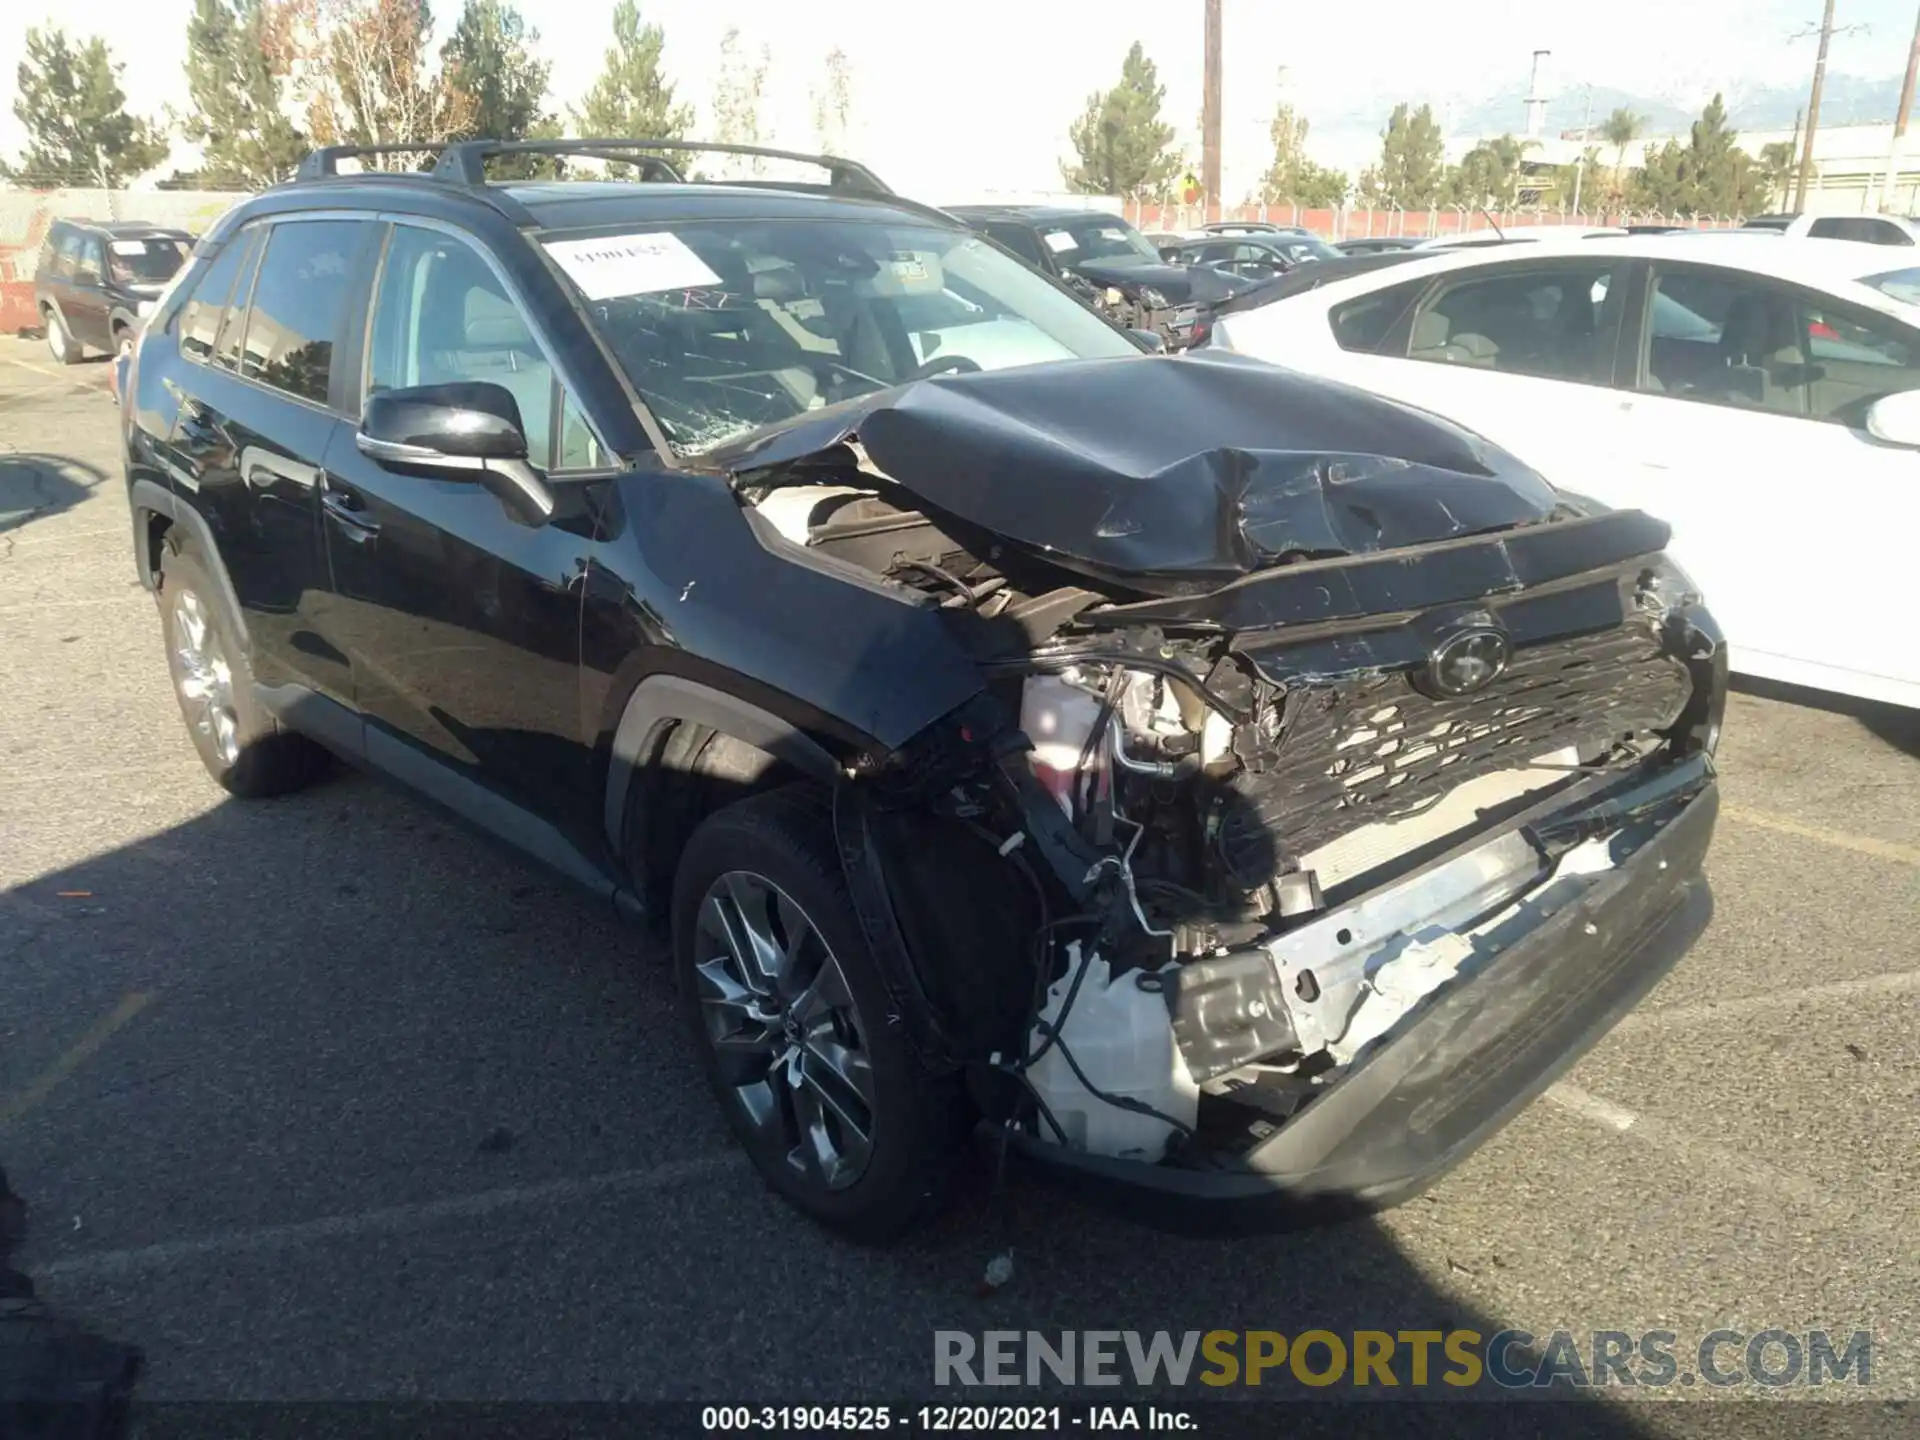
465,160
325,162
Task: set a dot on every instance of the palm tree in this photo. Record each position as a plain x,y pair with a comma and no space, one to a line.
1621,129
1776,169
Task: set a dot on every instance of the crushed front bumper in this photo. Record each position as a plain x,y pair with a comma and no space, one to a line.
1467,1059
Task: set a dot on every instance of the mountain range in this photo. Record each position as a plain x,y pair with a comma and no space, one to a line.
1847,100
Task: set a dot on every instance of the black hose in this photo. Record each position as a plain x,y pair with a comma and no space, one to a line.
941,573
1109,702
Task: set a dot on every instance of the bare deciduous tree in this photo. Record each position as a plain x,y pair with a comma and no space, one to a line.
364,72
736,105
833,103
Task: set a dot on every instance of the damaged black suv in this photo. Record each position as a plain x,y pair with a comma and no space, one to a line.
1230,792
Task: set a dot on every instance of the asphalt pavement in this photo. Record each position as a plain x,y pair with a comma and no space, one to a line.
325,1098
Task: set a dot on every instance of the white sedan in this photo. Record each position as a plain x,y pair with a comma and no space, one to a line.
1764,400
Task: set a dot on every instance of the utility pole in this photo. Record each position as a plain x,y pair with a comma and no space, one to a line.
1210,111
1890,191
1580,165
1813,110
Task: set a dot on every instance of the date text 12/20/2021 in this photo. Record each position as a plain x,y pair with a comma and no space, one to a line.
944,1419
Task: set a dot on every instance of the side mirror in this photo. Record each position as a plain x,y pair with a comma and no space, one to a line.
1172,256
1896,419
1153,340
467,430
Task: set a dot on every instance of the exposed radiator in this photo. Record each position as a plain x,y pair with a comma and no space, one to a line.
1371,748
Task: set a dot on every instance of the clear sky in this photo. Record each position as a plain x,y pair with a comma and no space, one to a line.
960,95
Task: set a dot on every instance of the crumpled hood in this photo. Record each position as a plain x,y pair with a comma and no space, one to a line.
1181,284
1173,474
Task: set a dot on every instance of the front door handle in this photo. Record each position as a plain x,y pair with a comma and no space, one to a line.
345,511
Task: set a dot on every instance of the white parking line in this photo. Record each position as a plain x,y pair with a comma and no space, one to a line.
72,1058
394,1219
1710,1156
1840,839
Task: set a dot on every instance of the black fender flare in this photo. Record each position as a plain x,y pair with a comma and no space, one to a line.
147,498
663,699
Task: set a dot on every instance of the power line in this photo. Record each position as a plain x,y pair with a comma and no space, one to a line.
1826,33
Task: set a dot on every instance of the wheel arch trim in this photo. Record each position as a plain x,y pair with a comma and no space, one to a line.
147,498
662,699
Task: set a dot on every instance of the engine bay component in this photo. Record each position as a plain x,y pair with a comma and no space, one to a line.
1105,1067
1229,1011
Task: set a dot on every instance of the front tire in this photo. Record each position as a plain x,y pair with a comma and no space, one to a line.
242,745
793,1024
60,342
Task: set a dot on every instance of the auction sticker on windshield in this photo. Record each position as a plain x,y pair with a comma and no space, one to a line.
615,265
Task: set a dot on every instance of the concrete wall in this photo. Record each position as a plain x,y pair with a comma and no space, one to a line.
26,214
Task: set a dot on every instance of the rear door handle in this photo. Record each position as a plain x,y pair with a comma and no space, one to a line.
345,510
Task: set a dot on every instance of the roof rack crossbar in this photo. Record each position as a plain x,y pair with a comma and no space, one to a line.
465,160
324,162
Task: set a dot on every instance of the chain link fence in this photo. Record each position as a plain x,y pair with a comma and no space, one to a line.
1353,223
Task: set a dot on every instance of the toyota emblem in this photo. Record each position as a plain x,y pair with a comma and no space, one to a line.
1466,662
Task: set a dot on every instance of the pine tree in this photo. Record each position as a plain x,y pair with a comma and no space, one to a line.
75,115
1292,177
488,60
237,64
632,99
1123,146
1412,170
1709,175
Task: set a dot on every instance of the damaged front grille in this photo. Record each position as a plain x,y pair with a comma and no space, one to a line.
1371,748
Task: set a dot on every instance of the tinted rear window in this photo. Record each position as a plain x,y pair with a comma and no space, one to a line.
299,301
1364,323
1021,241
200,320
147,260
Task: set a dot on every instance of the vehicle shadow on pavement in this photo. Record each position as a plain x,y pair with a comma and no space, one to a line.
354,1007
33,486
1895,724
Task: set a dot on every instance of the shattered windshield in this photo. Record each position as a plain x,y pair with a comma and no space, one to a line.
726,326
1098,237
151,261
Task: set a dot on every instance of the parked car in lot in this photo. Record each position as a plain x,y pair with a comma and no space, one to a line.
1229,790
1529,235
1253,258
1110,263
1379,244
1866,229
96,281
1251,227
1761,398
1296,281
